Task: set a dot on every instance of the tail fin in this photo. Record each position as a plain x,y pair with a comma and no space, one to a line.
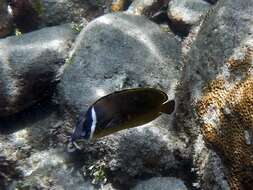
168,107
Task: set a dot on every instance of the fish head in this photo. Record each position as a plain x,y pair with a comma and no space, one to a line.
85,126
80,131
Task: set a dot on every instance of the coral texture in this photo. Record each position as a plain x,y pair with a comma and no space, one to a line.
226,114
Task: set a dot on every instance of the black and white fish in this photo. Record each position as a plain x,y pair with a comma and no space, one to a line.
122,110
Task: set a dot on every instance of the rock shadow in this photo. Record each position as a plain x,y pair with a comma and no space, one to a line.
27,118
42,125
8,172
145,154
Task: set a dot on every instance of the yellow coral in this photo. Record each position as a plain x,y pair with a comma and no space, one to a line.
226,114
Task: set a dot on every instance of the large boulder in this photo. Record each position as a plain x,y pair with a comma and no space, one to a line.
29,65
118,51
215,98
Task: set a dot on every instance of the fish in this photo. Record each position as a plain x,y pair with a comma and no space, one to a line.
121,110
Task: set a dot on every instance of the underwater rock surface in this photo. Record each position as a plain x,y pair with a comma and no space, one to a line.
207,143
183,14
161,183
186,11
146,7
24,15
36,140
54,12
29,65
218,80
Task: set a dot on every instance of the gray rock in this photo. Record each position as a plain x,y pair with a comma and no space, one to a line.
147,8
35,141
29,64
118,51
24,15
130,155
213,76
187,11
56,12
161,183
5,19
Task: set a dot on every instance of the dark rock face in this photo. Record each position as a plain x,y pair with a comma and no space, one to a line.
25,16
211,1
55,12
183,14
8,171
119,51
29,65
5,19
148,8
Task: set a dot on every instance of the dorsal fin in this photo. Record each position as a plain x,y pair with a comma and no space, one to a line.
168,107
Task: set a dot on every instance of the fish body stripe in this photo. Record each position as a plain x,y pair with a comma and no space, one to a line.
94,122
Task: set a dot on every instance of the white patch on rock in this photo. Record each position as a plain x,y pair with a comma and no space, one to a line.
100,92
134,32
40,160
20,137
187,11
199,144
212,116
248,137
9,10
196,184
227,110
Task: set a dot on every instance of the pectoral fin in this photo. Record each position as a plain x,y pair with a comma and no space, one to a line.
113,122
112,126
